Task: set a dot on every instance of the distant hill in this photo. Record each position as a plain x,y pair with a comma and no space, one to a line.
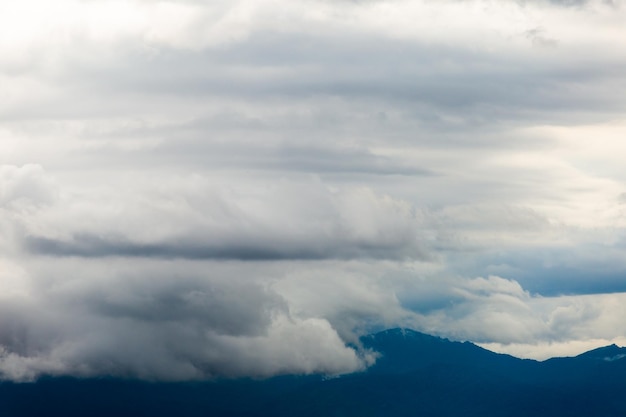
416,375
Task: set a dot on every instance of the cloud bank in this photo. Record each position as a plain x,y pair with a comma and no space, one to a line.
243,188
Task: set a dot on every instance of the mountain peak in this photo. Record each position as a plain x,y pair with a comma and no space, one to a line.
607,353
406,350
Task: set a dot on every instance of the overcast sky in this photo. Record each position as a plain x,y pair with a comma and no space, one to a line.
191,189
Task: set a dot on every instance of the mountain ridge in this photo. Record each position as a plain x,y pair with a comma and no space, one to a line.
607,350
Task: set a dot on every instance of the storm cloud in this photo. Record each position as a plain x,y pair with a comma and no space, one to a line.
243,188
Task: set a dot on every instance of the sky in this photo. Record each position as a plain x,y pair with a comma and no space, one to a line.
199,189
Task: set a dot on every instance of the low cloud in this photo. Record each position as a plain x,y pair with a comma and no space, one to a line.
156,322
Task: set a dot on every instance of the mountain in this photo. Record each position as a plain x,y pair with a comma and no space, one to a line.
607,353
415,375
404,351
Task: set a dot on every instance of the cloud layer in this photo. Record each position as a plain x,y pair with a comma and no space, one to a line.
242,188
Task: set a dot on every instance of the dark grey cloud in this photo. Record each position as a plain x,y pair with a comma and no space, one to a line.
224,308
91,246
163,321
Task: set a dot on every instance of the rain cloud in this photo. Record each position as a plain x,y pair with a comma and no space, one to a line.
243,188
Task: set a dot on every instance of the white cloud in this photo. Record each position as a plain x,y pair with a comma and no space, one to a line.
24,186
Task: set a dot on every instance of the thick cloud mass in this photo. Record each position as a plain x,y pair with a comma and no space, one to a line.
191,190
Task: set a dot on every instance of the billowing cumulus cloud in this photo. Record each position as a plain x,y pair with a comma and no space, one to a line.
288,220
243,188
160,320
